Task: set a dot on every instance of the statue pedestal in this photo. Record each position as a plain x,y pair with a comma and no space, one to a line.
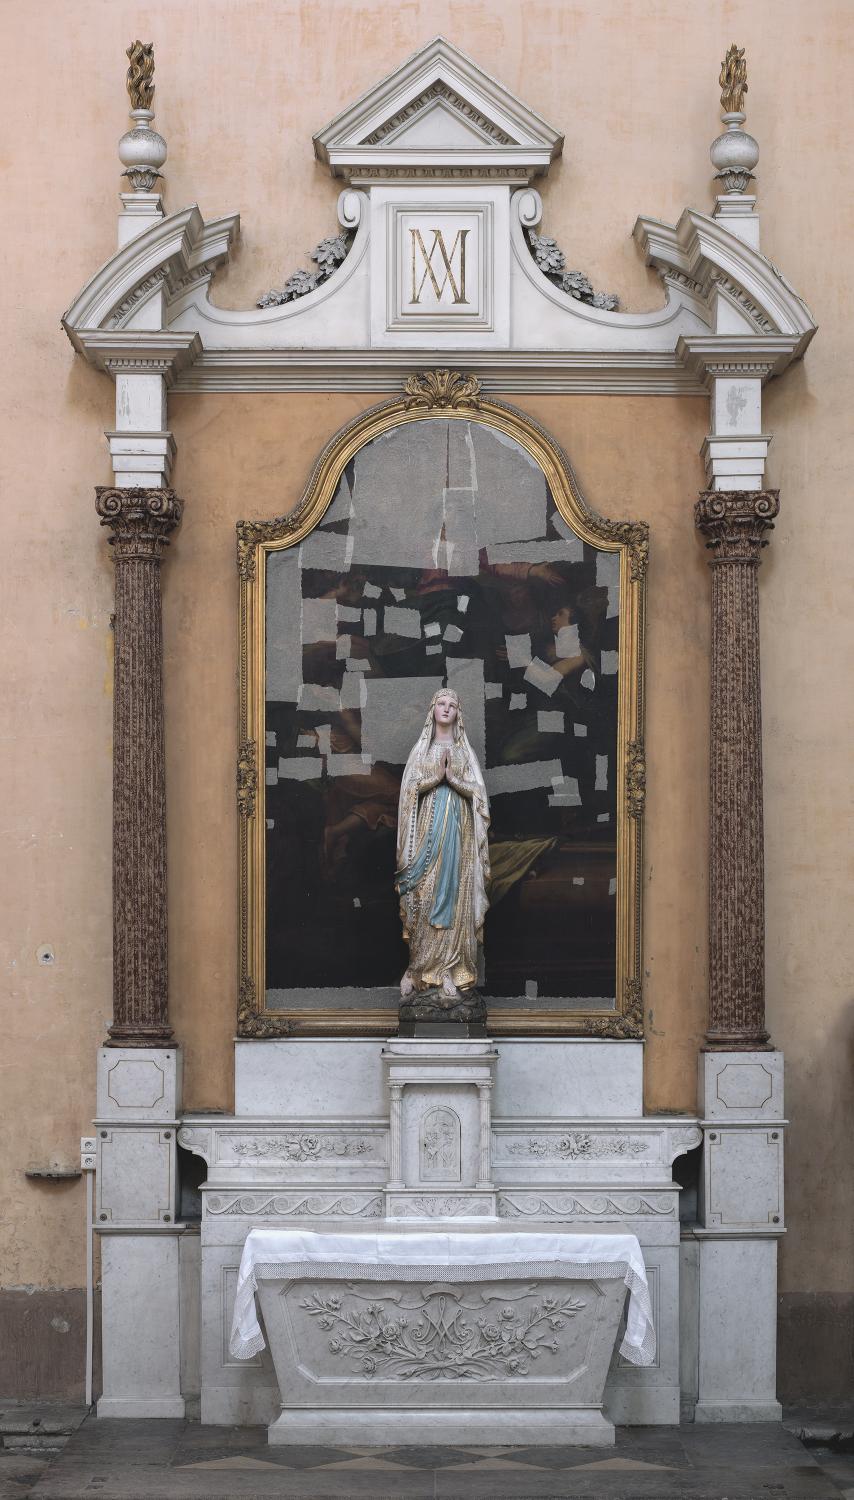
440,1128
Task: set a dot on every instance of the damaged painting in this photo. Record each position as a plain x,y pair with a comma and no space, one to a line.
442,559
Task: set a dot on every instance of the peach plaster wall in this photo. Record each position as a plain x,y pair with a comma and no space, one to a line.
240,88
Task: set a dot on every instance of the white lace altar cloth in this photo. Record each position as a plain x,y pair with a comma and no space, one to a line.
432,1255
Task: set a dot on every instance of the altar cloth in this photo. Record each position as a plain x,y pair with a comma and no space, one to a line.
435,1255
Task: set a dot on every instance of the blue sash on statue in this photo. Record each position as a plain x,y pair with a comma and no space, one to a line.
442,841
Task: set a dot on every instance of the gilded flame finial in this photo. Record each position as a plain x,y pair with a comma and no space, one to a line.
735,153
140,79
733,80
142,151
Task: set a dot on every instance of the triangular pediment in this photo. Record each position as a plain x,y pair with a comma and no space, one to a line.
438,114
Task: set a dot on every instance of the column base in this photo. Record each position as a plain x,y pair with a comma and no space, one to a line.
124,1407
738,1411
140,1036
737,1041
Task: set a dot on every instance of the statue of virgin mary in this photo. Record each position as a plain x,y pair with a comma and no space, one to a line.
442,854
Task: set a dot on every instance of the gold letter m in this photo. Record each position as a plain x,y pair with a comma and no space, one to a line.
458,285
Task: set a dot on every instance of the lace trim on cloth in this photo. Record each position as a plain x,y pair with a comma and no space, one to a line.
638,1345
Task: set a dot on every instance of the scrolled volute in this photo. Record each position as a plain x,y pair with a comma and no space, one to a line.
736,523
140,519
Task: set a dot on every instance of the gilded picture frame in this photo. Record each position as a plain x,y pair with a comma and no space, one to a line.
444,394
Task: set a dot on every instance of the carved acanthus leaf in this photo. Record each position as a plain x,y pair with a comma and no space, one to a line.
442,389
635,778
247,778
254,1022
628,1025
635,535
735,523
250,535
327,256
140,519
552,262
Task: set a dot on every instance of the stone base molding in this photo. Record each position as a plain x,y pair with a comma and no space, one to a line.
735,525
141,521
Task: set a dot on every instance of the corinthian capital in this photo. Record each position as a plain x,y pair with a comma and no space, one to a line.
735,522
140,519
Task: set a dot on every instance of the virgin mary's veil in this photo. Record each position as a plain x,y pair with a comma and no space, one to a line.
415,770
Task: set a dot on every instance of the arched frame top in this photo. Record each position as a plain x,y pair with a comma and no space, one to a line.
446,396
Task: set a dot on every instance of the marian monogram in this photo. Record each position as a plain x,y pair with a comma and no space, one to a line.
435,266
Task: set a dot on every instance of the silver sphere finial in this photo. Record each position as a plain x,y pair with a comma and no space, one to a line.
142,151
735,153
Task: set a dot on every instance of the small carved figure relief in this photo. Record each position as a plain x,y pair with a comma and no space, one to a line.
442,855
440,1145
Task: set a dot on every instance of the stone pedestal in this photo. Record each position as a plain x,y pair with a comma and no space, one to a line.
440,1129
139,1102
737,1369
741,1219
140,1326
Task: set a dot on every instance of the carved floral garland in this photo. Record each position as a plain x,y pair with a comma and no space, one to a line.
578,1144
552,262
327,256
301,1147
441,1344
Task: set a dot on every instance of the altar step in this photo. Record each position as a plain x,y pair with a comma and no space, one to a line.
41,1430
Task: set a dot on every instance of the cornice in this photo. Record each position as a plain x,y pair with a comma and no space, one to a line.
162,352
756,356
383,371
172,250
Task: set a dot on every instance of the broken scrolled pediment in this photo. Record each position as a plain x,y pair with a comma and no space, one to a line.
440,257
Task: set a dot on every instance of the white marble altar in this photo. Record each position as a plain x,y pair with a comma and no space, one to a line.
577,1158
371,1330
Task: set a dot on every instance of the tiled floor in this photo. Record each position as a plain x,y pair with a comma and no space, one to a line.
184,1461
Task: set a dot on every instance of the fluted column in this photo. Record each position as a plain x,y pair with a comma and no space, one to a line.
140,520
735,526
